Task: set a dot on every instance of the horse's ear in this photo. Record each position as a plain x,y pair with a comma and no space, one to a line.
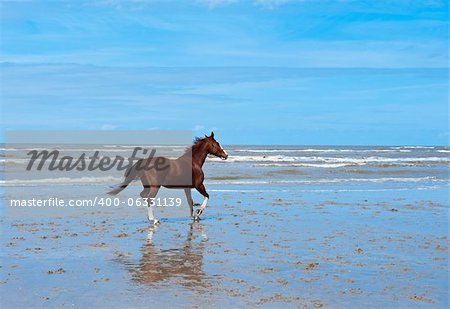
212,134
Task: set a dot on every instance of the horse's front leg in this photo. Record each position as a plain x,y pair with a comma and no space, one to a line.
201,189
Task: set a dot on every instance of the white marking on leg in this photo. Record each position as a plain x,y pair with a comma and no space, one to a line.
150,216
205,201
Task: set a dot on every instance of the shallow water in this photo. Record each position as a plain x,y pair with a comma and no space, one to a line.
365,235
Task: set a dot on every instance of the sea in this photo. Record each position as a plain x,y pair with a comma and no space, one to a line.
292,168
285,225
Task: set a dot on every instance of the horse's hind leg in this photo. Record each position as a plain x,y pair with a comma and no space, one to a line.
150,197
187,191
149,193
146,183
145,192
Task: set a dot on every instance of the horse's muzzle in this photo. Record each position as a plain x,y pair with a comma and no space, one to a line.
224,157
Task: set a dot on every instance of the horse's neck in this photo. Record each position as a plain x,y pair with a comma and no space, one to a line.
198,153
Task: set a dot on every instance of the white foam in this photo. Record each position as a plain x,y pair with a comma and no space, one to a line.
14,161
61,181
112,180
319,165
338,150
329,190
321,150
308,160
327,181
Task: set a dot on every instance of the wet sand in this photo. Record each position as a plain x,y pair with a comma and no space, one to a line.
269,248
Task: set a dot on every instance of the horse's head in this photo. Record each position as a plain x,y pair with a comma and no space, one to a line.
214,147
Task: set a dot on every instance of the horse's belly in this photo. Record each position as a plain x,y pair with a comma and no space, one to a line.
178,181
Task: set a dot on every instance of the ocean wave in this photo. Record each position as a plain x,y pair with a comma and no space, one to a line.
416,147
320,150
21,161
61,181
14,161
319,165
327,181
62,150
342,160
277,158
301,161
110,180
326,190
292,150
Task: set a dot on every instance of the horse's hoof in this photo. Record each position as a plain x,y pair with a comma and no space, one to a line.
198,212
196,218
155,222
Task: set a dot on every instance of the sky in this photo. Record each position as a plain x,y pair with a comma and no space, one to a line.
256,72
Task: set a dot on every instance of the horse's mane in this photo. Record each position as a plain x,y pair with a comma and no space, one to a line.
196,142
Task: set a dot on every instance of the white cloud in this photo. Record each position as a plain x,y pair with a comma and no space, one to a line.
198,128
216,3
274,3
108,127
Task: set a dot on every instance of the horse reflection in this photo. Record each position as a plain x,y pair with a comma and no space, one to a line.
184,264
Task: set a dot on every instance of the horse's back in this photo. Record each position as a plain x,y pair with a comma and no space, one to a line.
170,173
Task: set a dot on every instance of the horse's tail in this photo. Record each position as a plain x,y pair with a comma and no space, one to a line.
131,174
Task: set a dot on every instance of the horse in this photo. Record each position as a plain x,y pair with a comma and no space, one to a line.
184,172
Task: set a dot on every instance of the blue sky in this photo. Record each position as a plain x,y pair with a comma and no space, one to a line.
257,72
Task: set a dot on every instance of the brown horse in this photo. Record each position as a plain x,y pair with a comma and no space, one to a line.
184,172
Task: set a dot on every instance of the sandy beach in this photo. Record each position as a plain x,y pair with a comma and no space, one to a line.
252,248
278,236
